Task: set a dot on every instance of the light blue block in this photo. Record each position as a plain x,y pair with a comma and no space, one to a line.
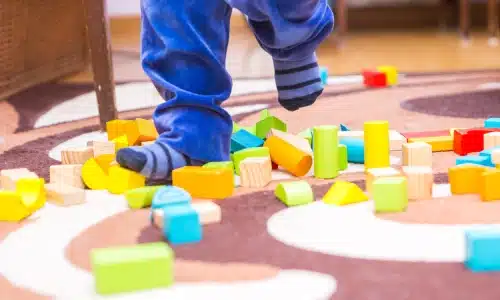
170,195
344,128
483,249
473,159
355,149
487,153
324,75
181,225
243,139
492,123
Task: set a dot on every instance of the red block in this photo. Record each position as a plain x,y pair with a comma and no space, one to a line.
470,140
275,166
374,79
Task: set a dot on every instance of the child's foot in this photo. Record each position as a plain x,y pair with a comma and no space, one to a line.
155,161
299,83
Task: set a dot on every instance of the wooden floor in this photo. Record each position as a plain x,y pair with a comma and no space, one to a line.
425,51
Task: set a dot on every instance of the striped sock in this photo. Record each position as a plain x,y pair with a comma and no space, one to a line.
299,83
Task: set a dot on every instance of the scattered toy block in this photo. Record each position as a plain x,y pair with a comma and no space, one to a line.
377,146
487,153
344,128
420,181
9,177
141,197
342,164
473,159
376,173
491,140
251,129
482,249
67,174
326,152
489,188
438,144
469,140
307,134
103,148
121,180
64,195
495,156
116,128
355,149
76,156
294,193
294,140
290,158
208,211
140,130
265,125
344,193
417,154
323,75
32,191
465,179
95,172
169,196
120,142
374,79
220,165
181,225
391,74
255,172
396,139
132,268
239,156
390,194
243,139
202,182
265,113
492,123
12,208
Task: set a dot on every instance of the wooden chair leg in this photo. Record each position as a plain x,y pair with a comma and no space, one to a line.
465,19
341,15
100,52
492,18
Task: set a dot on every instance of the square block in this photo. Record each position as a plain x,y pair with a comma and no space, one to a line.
376,173
491,140
243,139
64,195
67,174
420,182
390,194
181,225
391,73
238,157
103,148
255,172
490,185
483,249
374,79
76,156
417,154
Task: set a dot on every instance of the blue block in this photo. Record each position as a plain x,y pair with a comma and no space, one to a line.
492,123
487,153
344,128
483,249
324,75
170,195
355,150
473,159
243,139
181,225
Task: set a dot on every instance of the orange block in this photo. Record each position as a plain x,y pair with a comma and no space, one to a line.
116,128
288,156
205,183
490,187
141,130
465,179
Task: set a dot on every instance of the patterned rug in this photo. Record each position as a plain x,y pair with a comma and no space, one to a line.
261,249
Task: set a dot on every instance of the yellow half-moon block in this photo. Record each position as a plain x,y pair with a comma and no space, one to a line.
122,180
205,183
12,208
289,157
32,191
95,172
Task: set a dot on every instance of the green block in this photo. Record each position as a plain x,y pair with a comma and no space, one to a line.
220,165
239,156
251,129
236,127
390,194
264,126
132,268
342,157
141,197
264,114
326,152
294,193
307,134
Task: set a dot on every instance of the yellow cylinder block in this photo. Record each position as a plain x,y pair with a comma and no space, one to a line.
377,144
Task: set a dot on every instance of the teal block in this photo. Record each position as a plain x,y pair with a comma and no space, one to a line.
170,195
244,139
323,75
481,160
344,128
492,123
355,150
265,125
483,249
181,225
487,153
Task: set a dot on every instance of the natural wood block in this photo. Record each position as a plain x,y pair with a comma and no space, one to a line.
495,156
76,156
67,174
103,148
420,182
64,195
489,185
396,139
465,179
373,174
297,141
491,140
417,154
9,177
209,212
255,172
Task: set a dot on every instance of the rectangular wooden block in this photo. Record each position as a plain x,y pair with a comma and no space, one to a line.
204,182
103,148
465,179
76,156
209,212
64,195
420,181
438,143
255,172
490,185
396,139
373,174
491,140
390,194
67,174
417,154
9,177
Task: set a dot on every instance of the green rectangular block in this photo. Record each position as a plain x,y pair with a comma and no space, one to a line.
132,268
326,151
342,157
220,165
390,194
239,156
265,125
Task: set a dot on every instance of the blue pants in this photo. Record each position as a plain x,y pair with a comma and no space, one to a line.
184,45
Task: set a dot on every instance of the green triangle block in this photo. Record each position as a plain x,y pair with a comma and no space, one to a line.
342,152
141,197
265,125
294,193
239,156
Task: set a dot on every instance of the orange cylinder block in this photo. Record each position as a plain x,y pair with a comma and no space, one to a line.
292,159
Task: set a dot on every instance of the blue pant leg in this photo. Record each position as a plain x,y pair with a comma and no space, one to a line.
184,45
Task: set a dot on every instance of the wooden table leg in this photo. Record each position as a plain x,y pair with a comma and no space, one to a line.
465,19
492,18
341,15
102,66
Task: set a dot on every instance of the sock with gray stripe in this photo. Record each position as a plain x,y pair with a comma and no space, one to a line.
298,83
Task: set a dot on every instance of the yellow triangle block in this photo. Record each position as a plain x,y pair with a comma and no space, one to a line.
344,193
12,208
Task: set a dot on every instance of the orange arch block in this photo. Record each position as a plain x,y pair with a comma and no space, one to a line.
289,157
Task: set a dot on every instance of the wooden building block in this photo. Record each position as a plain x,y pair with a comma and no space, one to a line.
417,154
121,180
465,179
220,165
355,149
377,147
181,225
266,124
67,174
396,139
140,130
170,195
391,73
420,182
344,193
390,194
373,174
95,172
495,156
32,191
492,123
206,183
342,154
120,142
64,195
208,211
141,197
438,143
132,268
290,158
239,156
243,139
490,185
12,208
295,140
374,79
294,193
116,128
470,140
491,140
103,148
9,177
76,156
482,246
255,172
326,152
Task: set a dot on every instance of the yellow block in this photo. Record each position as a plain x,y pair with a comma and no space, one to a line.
120,142
32,191
12,208
122,180
490,187
291,158
391,73
141,130
205,182
465,179
377,144
343,193
116,128
95,172
438,143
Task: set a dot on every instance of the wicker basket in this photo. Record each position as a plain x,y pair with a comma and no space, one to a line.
40,40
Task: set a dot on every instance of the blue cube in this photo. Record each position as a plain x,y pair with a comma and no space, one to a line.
492,123
483,249
355,149
243,139
324,75
170,195
481,160
181,225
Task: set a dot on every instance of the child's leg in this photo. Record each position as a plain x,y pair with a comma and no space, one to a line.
184,47
291,30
